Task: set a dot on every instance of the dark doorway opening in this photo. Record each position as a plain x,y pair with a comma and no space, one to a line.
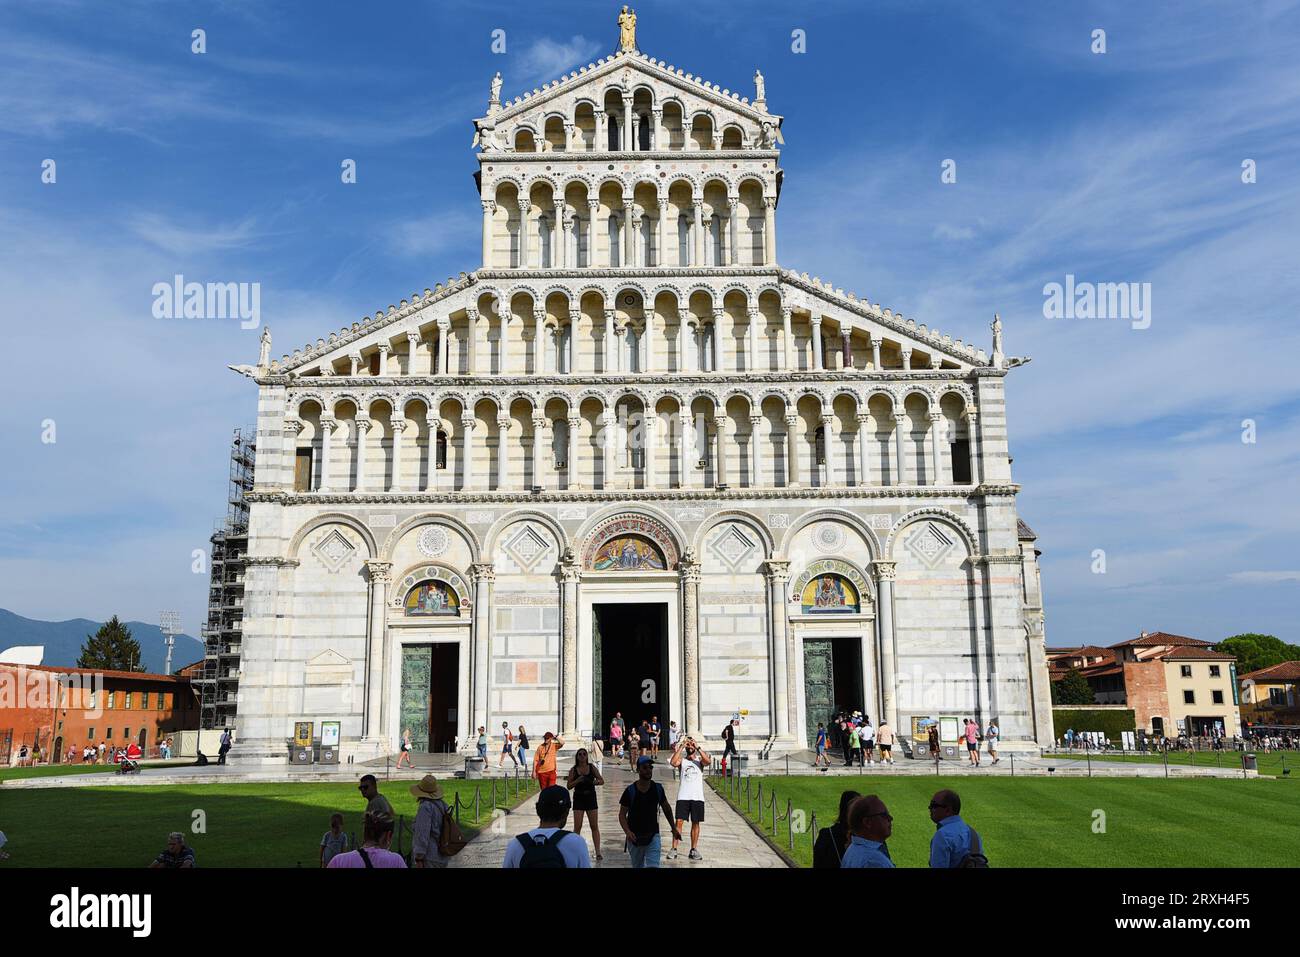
630,666
832,669
430,676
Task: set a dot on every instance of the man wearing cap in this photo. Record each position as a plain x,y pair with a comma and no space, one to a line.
430,813
638,815
544,760
548,844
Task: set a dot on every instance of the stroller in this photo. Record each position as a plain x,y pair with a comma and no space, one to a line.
128,761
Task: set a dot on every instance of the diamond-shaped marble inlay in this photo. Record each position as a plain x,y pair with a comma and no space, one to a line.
527,547
334,550
432,541
732,547
828,537
929,545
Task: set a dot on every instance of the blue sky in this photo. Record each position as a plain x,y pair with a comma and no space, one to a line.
1115,167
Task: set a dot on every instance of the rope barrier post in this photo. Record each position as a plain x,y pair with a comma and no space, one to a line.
1013,764
477,809
789,824
1087,753
1167,762
774,815
812,830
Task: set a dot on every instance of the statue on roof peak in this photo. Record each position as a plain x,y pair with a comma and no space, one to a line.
627,30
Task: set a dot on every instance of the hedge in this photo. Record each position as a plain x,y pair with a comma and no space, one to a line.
1109,722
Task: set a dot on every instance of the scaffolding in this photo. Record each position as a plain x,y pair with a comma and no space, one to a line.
222,636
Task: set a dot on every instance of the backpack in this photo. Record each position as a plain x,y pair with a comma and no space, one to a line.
450,839
542,853
975,856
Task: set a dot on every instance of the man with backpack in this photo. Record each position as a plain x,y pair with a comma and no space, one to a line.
435,835
955,843
638,815
549,844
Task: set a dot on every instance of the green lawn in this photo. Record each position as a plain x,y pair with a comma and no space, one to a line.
1044,822
1275,763
46,770
248,825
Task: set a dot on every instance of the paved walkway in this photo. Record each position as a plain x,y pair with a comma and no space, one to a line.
725,839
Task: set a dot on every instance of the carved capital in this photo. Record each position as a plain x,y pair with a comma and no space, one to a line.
483,571
380,572
777,571
884,570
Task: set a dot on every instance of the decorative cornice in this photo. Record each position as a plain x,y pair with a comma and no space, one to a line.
272,560
899,493
624,156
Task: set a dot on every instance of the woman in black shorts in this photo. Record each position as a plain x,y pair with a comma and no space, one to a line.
583,781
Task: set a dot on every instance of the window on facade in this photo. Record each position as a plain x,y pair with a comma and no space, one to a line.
1185,670
643,133
1277,696
961,470
1218,697
128,701
109,735
90,702
442,450
90,733
615,141
684,240
821,444
1214,671
374,364
614,244
126,734
112,699
144,701
302,471
1189,697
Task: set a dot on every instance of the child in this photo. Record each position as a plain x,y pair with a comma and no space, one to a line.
335,840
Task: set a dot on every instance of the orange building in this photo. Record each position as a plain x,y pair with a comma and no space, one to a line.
58,709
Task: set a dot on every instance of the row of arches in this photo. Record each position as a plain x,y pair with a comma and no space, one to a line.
575,223
633,440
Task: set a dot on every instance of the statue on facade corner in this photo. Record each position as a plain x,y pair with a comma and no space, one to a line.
264,355
761,87
495,98
997,341
627,30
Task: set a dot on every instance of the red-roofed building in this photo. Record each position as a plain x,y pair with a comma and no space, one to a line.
1272,695
57,709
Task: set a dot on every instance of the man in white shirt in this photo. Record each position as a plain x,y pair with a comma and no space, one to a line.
690,759
867,739
548,844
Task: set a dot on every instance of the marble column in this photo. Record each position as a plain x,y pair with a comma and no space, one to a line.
787,338
716,353
524,207
554,349
689,568
503,342
661,237
363,426
733,231
432,422
657,141
503,450
355,360
721,426
570,333
846,337
769,231
875,353
608,343
885,636
377,652
471,337
489,207
484,575
539,443
607,445
902,425
816,323
574,423
782,682
625,129
907,359
468,480
399,426
327,423
384,348
792,451
592,207
629,234
560,241
539,339
444,347
602,131
647,363
936,438
412,350
620,347
751,332
697,232
570,578
830,423
755,476
973,437
685,450
866,439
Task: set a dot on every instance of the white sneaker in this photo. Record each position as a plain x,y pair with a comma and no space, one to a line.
672,854
695,855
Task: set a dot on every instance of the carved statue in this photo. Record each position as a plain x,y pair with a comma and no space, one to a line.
627,30
495,98
761,84
997,341
264,356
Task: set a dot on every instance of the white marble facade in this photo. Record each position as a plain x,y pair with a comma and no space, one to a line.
629,362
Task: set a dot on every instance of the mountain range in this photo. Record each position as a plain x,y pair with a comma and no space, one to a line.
63,640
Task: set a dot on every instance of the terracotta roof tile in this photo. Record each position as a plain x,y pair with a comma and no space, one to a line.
1286,671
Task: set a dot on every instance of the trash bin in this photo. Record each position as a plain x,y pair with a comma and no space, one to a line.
474,768
1249,763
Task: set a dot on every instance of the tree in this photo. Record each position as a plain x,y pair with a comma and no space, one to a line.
1255,651
1072,689
110,649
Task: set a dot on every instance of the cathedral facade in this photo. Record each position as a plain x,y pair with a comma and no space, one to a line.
631,463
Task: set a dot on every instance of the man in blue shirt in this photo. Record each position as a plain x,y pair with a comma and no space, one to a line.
951,843
870,823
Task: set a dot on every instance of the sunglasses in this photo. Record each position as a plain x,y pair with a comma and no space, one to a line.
935,804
